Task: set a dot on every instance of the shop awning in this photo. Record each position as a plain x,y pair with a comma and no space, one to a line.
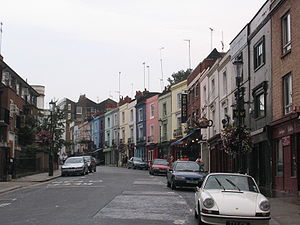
190,135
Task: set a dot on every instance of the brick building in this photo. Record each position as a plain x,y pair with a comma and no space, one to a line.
285,23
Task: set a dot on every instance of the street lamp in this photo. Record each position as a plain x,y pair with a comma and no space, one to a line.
239,113
51,108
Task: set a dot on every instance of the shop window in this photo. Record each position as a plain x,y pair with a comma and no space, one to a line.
279,158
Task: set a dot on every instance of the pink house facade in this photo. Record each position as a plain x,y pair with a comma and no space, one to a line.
152,128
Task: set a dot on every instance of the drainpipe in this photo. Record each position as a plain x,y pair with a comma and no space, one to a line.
249,86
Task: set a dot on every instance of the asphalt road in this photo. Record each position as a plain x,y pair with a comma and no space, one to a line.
111,196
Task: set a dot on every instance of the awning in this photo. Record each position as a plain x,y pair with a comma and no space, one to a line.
190,135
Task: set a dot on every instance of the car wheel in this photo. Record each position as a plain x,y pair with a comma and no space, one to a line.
199,217
173,186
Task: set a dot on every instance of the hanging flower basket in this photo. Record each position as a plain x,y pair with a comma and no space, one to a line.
236,140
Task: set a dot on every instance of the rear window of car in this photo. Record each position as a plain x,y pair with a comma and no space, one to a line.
74,160
187,166
160,162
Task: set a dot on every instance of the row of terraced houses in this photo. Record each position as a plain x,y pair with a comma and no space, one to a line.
161,125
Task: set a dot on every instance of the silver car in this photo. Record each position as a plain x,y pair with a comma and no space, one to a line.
75,165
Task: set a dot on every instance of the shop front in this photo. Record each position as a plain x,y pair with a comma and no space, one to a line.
286,154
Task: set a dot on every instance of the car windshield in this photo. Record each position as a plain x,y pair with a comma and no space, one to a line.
188,166
160,162
137,159
74,160
87,158
231,182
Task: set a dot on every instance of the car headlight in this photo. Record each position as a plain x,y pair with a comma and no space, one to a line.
179,178
208,203
264,205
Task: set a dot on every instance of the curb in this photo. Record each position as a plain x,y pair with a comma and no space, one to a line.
10,189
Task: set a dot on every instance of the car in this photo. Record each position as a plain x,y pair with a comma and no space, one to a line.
91,161
185,174
137,163
74,165
231,199
159,166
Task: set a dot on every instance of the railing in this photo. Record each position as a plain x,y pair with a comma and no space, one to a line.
141,139
177,133
164,138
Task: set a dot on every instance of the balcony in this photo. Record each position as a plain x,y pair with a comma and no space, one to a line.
141,139
164,138
177,133
151,139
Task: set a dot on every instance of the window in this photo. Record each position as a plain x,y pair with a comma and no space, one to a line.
179,101
224,83
69,106
164,109
178,122
152,111
78,110
286,33
115,119
140,132
123,117
287,93
197,90
69,116
259,54
279,158
259,105
108,122
131,115
131,133
140,115
204,94
213,86
151,130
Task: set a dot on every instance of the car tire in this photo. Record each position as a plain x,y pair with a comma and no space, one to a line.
173,186
199,218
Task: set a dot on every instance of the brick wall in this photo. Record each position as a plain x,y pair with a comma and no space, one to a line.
284,64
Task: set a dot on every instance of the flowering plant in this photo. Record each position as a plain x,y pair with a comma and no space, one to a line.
236,140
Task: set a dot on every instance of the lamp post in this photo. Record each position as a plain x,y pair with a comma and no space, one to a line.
239,112
51,107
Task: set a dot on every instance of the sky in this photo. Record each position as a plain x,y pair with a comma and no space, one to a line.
75,47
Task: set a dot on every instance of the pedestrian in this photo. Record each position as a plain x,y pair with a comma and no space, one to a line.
171,160
200,161
125,160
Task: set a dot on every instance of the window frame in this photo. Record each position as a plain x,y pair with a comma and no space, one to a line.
287,101
286,33
259,62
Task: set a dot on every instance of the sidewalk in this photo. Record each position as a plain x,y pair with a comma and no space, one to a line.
27,181
285,210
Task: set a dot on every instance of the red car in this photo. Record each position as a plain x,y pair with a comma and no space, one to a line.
159,166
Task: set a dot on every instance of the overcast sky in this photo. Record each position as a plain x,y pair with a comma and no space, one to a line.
75,47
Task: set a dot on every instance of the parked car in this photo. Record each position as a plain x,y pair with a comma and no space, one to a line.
91,163
185,174
159,166
74,165
228,198
137,163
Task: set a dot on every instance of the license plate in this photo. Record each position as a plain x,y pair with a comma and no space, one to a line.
236,223
192,181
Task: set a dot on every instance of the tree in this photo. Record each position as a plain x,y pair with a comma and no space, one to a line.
52,124
28,131
179,76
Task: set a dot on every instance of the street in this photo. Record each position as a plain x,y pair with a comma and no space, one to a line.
109,196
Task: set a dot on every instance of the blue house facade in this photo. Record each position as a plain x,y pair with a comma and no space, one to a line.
140,150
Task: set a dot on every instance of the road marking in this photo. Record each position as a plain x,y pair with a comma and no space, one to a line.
4,204
179,222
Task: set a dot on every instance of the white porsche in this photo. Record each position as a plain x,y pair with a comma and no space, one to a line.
231,199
